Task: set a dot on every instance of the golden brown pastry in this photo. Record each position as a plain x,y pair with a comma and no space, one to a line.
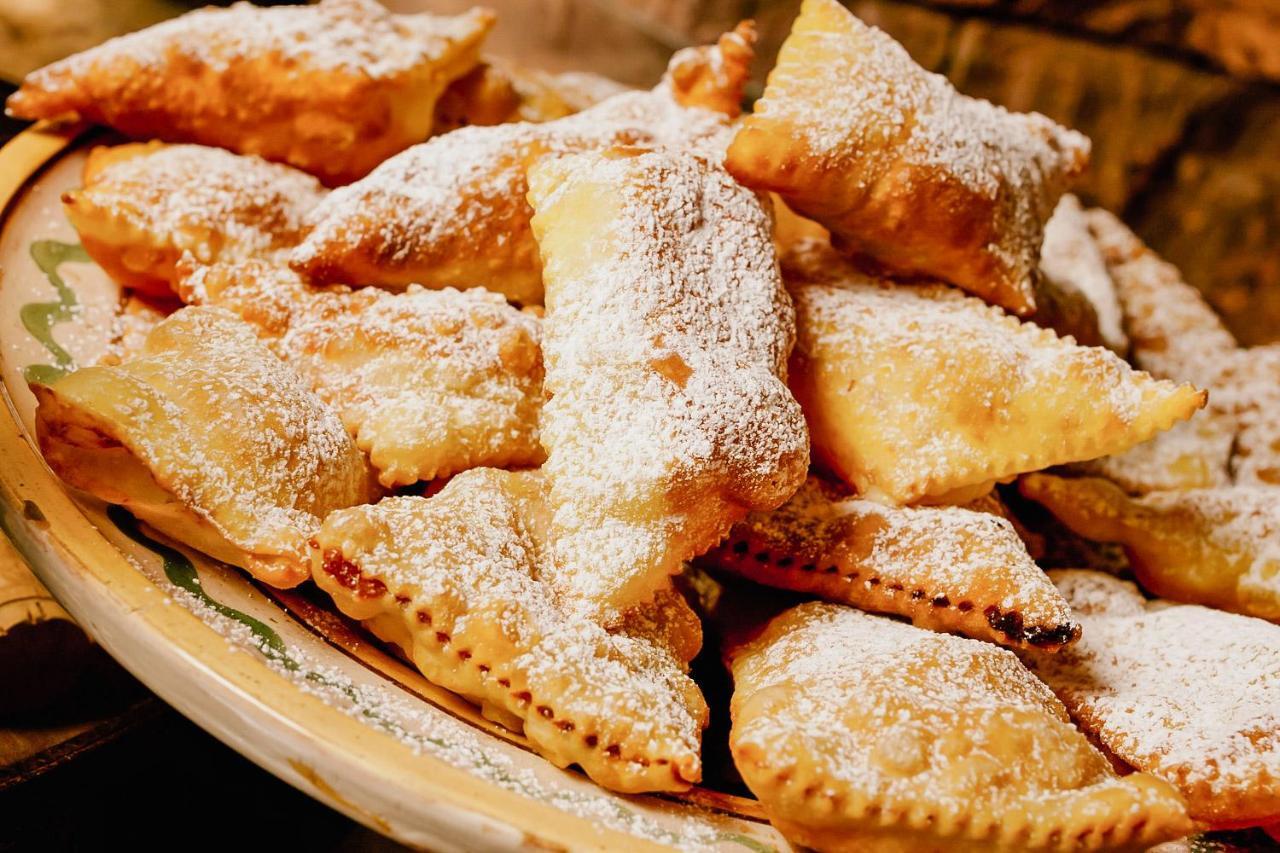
264,293
428,382
144,205
209,438
944,568
1073,267
456,581
333,89
916,391
859,733
1190,455
1186,693
905,171
1247,389
1219,547
665,342
452,212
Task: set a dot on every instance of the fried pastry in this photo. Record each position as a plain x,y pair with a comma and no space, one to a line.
455,580
209,438
1186,693
905,171
915,391
859,733
1219,547
453,211
1075,272
428,382
945,568
1247,388
333,89
266,294
144,205
1190,455
665,340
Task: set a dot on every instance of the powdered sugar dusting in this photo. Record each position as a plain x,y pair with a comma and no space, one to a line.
666,340
1072,261
1184,692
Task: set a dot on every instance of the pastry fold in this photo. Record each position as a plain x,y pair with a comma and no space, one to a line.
144,205
1218,547
209,438
456,581
944,568
1186,693
1074,269
915,391
665,340
906,172
859,733
333,89
453,212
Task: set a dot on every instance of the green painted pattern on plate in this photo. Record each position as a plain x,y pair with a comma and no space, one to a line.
39,318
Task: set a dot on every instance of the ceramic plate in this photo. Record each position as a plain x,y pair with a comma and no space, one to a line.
278,676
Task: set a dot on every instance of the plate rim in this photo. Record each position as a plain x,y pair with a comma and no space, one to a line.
128,615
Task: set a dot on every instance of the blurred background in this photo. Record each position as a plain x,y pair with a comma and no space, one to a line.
1180,97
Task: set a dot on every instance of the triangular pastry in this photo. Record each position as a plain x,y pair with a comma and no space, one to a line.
144,205
665,341
915,391
1073,266
453,212
1186,693
945,568
456,581
428,382
859,733
333,89
905,171
209,438
1219,547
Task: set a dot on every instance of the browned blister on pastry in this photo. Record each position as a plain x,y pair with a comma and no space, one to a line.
428,382
859,733
665,340
915,391
945,568
453,211
333,89
144,205
905,171
1186,693
456,581
211,439
1219,547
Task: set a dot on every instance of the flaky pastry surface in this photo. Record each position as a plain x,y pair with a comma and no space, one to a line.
1218,547
913,391
333,89
859,733
1189,694
211,439
1076,276
665,341
904,170
945,568
144,205
456,580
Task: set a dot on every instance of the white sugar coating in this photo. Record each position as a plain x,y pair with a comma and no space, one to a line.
986,362
1240,521
427,730
1072,261
1192,454
203,200
451,190
1185,692
1174,332
474,554
356,36
959,553
666,340
1247,387
428,382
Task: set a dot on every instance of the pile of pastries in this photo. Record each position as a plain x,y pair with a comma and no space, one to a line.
538,377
